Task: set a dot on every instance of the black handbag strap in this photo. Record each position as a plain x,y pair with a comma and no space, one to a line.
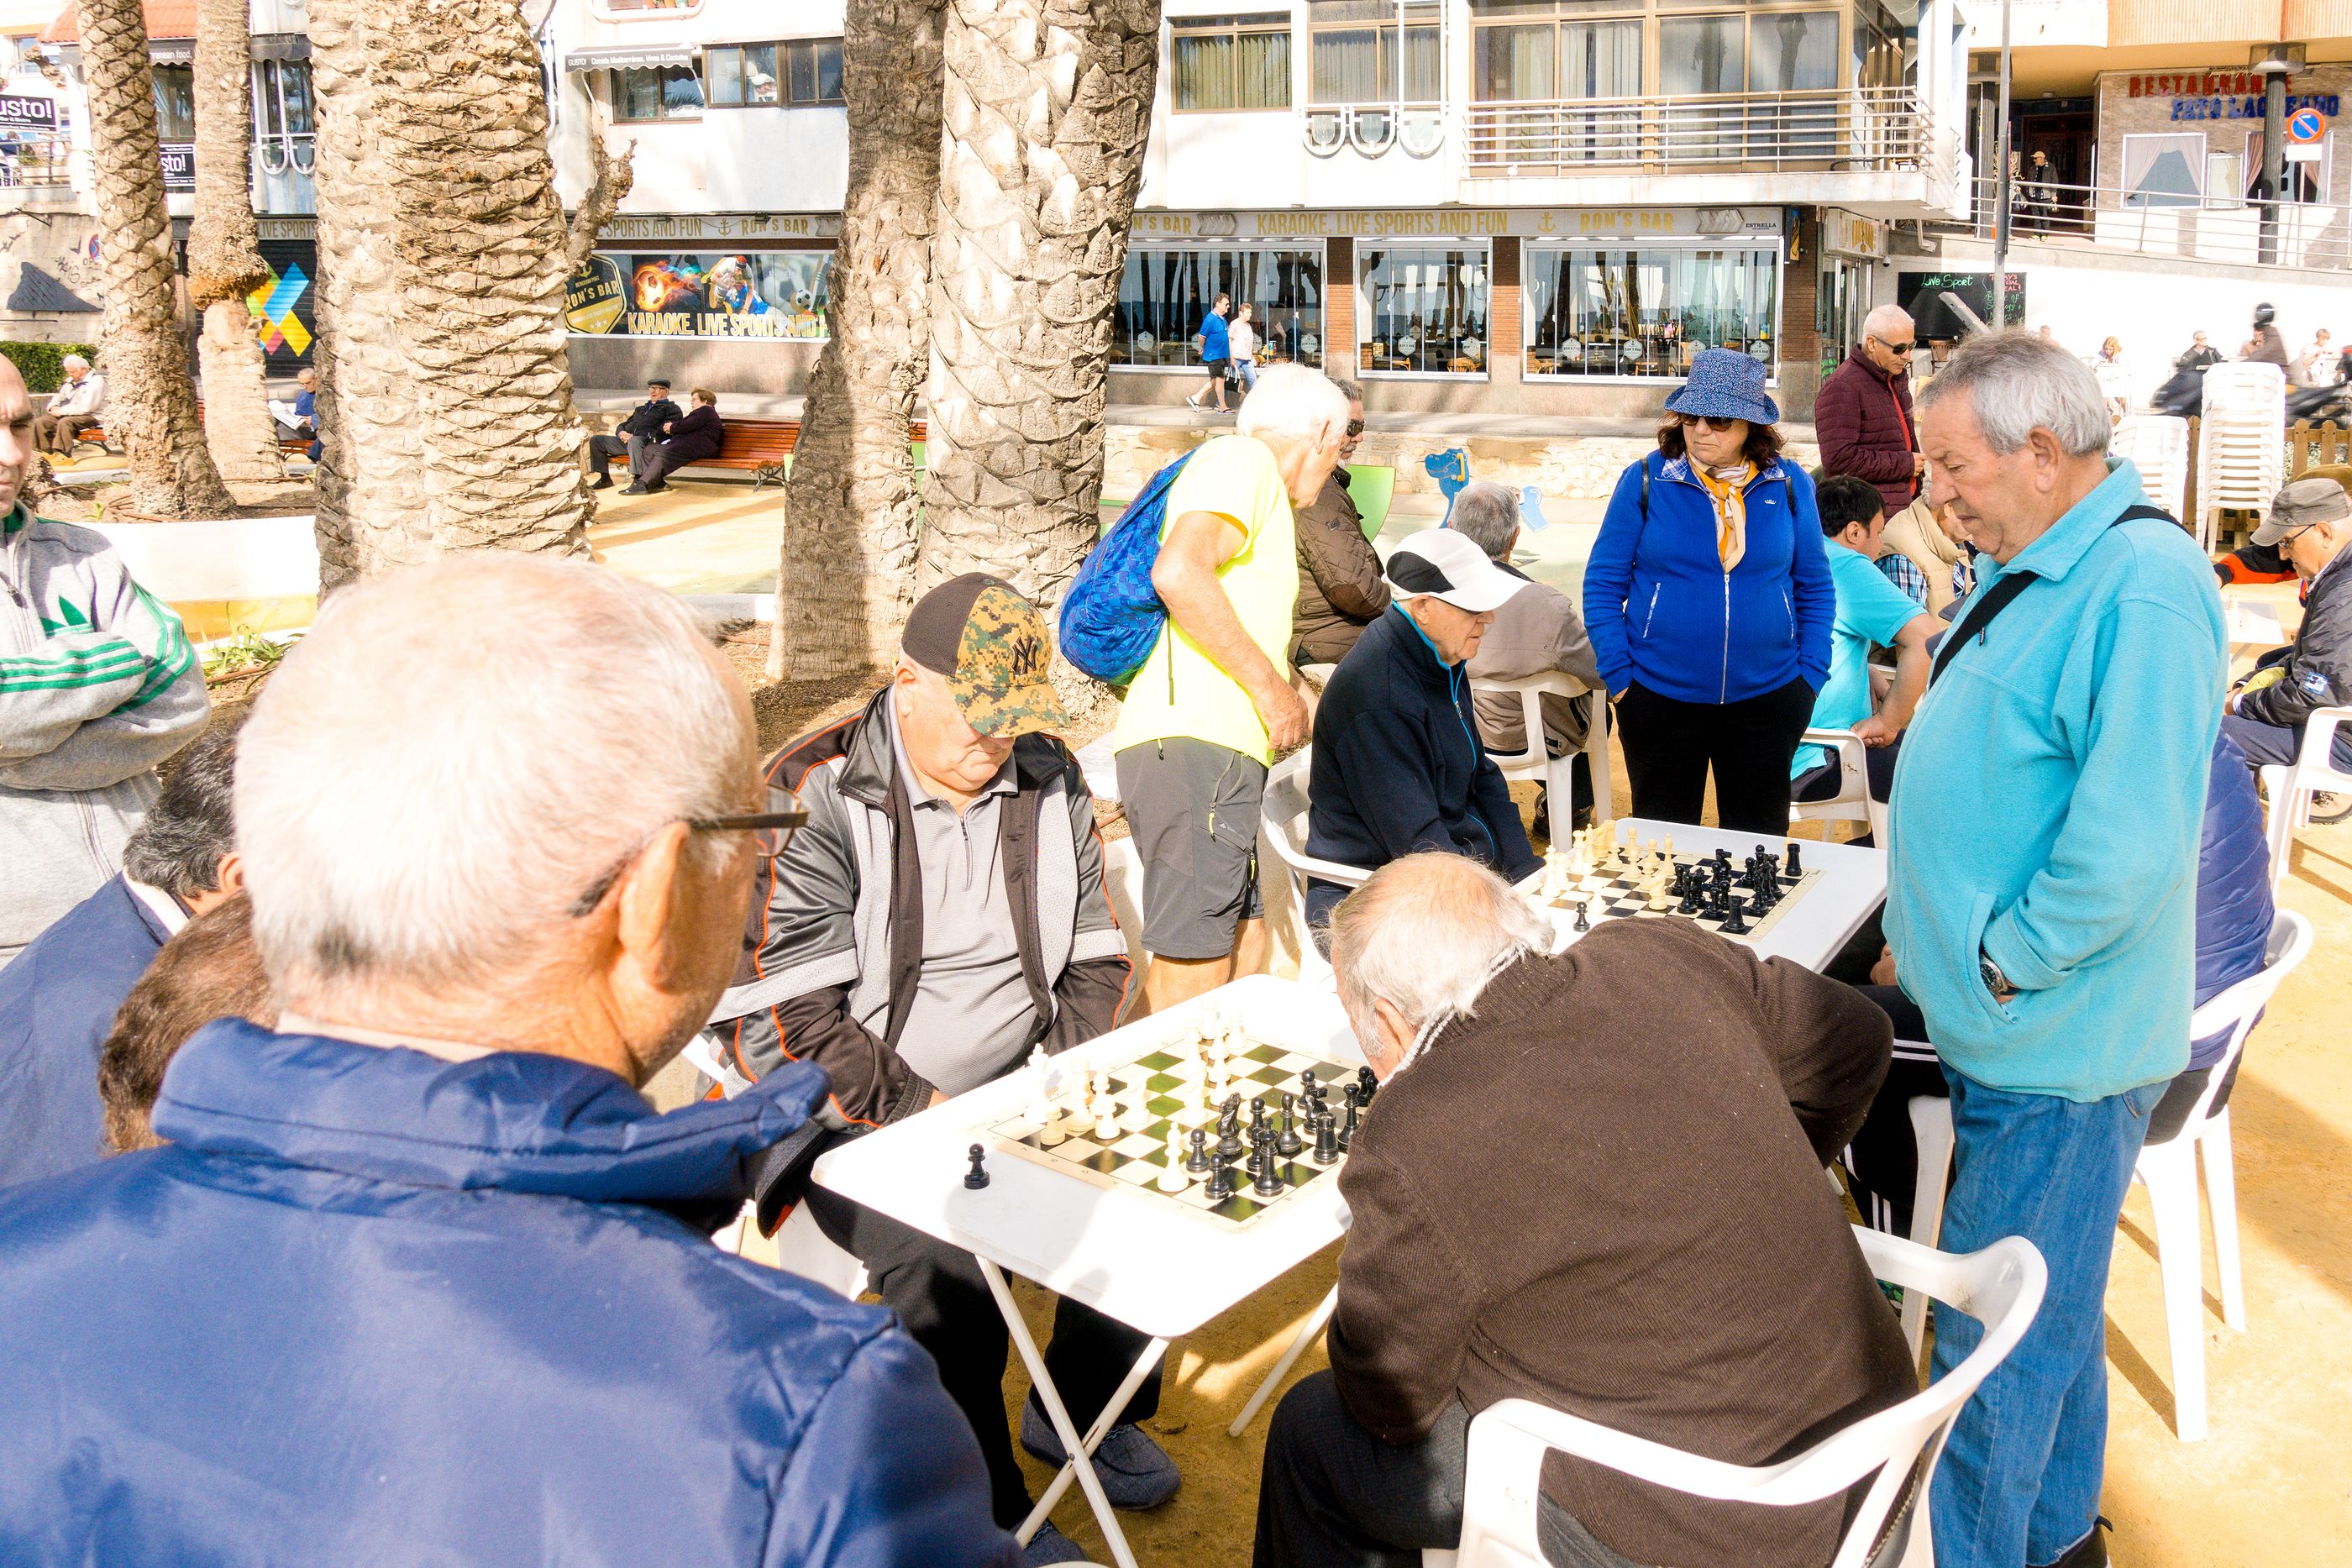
1999,597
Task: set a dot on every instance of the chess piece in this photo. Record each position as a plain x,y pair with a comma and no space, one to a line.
1261,1154
1198,1161
1693,888
1105,1119
1367,1085
1221,1182
1269,1183
1138,1116
1289,1143
1582,923
1327,1146
1307,1090
977,1177
1055,1130
1794,868
1171,1177
1348,1131
1229,1122
1735,921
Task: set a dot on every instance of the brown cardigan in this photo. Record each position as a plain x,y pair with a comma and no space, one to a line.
1603,1192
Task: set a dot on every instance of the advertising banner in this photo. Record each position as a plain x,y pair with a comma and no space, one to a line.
747,294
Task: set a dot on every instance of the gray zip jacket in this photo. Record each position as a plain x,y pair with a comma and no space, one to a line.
97,685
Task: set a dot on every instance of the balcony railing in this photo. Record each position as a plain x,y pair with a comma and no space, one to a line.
35,161
2216,227
1849,128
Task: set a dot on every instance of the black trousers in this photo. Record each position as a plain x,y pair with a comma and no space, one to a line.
936,1290
1334,1496
1670,745
602,449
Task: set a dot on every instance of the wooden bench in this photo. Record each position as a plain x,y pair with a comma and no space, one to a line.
763,448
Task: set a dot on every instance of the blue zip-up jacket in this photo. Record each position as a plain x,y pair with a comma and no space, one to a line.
372,1306
1661,611
57,1001
2233,887
1398,766
2047,809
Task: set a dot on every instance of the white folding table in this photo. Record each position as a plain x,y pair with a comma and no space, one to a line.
1810,931
1126,1254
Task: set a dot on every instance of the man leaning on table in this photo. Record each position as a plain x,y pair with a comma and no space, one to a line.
1638,1233
2040,900
942,914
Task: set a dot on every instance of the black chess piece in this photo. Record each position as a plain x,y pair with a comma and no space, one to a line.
1221,1182
1693,893
1258,1115
1259,1157
1718,897
1198,1160
1767,895
1347,1129
1229,1125
1795,868
1307,1086
1288,1143
1582,922
1735,919
1326,1144
1368,1084
1269,1183
977,1177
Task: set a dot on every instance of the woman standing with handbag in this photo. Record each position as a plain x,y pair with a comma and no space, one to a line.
1243,338
1709,603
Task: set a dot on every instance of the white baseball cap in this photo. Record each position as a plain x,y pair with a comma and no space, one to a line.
1439,563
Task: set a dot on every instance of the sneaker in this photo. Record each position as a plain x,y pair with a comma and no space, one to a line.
1134,1471
1050,1545
601,482
2091,1552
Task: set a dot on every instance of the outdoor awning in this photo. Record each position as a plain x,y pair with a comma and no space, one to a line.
172,51
638,57
281,46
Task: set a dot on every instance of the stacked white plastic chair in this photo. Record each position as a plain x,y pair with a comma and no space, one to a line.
2241,442
2158,445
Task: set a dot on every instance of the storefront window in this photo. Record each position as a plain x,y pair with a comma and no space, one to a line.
1229,62
1594,312
1167,289
656,92
1425,310
755,294
176,103
1356,53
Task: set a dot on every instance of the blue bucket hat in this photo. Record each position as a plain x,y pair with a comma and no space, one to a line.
1725,385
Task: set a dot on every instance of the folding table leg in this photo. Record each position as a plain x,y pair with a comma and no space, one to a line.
1064,1427
1313,1326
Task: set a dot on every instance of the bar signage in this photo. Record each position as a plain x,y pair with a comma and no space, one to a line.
1459,223
19,111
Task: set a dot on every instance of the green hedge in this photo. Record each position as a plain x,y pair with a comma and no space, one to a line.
40,363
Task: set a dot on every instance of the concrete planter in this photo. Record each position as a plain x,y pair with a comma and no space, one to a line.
228,575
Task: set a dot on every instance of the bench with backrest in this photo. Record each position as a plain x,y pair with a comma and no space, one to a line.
292,446
763,448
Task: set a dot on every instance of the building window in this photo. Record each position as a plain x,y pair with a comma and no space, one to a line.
1425,310
656,92
176,103
1229,62
628,9
741,76
281,96
1601,312
1355,53
2163,171
1524,52
772,294
812,72
1167,289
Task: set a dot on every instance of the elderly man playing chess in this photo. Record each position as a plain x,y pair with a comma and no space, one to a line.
1593,1181
942,916
1398,764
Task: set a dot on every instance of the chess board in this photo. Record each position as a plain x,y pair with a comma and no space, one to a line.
1616,896
1168,1079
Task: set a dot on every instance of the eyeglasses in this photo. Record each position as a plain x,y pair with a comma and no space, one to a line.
1354,427
772,833
1903,347
1693,420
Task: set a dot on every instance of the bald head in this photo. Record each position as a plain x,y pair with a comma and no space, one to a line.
1416,944
445,778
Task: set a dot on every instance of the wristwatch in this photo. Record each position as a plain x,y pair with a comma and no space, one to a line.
1994,980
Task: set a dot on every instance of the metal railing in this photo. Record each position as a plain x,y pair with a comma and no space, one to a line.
1846,127
35,161
2220,227
279,154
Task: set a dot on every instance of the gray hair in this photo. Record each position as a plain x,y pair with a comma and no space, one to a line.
1295,403
74,359
1487,514
1352,390
191,826
2018,382
456,752
1884,319
1424,935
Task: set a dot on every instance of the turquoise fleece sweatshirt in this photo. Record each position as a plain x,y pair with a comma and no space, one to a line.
2047,805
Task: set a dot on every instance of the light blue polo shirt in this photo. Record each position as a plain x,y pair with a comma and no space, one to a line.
2047,807
1870,610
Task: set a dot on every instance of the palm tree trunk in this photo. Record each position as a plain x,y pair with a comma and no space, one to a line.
848,567
446,398
150,399
1047,105
224,250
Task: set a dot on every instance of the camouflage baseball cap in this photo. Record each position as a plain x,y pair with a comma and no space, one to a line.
992,646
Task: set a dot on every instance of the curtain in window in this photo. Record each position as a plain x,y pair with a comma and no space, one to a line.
1347,67
1261,70
726,68
1600,59
1700,55
1423,81
1792,51
1516,64
1204,69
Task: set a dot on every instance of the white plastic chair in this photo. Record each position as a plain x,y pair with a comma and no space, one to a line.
2001,1287
1533,764
2168,1171
2158,445
2241,451
1283,821
2291,789
1852,803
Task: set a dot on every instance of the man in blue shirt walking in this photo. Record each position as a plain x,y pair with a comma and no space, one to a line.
1216,352
2040,900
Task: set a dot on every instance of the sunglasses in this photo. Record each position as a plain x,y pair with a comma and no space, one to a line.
1354,427
1693,420
1903,347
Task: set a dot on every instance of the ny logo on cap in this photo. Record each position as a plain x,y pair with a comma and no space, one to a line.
1028,653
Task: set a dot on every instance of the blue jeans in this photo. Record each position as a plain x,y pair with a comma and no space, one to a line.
2019,1479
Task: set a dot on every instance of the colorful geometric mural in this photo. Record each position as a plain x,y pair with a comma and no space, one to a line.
282,332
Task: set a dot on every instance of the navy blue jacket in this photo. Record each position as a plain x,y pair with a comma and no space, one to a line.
372,1306
1398,765
2233,886
1661,611
58,1001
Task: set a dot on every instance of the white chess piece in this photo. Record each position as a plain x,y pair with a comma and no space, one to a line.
1171,1178
1055,1129
1138,1115
1105,1119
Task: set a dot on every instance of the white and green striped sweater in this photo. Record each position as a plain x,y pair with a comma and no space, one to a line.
97,685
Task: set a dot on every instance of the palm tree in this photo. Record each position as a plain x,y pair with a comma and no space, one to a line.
446,398
847,571
1048,103
224,250
151,401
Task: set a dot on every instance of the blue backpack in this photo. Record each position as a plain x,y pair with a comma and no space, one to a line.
1111,618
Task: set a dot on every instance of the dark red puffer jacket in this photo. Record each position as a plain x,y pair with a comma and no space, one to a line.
1863,423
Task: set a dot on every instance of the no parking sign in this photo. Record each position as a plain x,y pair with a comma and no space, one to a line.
2304,128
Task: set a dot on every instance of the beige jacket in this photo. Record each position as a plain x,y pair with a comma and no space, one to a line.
1915,534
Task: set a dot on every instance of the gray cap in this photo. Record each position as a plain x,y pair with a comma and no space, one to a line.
2301,504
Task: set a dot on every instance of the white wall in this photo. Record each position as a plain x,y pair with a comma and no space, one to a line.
775,160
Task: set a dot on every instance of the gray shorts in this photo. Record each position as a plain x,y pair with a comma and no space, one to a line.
1192,811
